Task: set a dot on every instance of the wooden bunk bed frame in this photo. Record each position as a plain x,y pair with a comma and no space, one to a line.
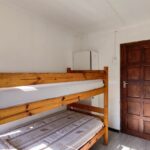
29,109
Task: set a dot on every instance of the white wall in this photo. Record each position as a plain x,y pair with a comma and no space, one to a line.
29,43
109,51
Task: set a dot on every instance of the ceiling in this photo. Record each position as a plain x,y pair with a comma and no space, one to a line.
89,15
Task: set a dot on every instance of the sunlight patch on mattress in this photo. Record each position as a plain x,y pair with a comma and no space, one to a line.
10,133
39,147
26,88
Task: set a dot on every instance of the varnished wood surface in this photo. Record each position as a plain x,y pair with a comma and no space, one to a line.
135,97
102,72
106,106
86,108
91,142
23,79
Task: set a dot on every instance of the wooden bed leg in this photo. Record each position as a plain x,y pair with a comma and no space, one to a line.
106,107
106,136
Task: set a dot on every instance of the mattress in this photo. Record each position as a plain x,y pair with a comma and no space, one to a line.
66,130
25,94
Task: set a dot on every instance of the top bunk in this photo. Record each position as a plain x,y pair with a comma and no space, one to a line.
27,94
24,79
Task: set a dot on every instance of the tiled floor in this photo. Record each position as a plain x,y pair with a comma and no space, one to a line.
120,141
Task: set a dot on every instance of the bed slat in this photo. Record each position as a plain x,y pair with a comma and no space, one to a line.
86,108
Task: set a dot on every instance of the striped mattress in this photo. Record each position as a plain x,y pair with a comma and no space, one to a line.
66,130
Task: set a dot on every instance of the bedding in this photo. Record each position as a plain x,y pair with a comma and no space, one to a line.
25,94
66,130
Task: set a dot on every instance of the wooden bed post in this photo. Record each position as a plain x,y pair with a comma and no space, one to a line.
106,106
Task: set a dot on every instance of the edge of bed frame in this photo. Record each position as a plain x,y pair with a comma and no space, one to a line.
93,140
27,79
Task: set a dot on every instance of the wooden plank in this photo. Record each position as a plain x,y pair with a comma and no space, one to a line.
102,72
69,101
87,108
87,113
46,102
24,79
13,118
84,95
27,113
8,114
12,111
92,141
43,109
106,106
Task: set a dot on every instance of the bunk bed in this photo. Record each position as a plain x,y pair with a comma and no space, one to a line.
88,83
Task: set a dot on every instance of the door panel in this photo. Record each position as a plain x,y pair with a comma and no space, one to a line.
135,89
132,123
134,55
147,127
134,73
147,73
133,108
146,112
147,92
146,52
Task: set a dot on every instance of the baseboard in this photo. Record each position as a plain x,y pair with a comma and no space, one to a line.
114,130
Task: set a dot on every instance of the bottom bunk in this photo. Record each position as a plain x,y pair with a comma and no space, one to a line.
66,130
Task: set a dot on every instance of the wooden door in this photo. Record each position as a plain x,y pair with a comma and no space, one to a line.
135,89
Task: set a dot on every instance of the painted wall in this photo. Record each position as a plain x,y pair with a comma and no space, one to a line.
29,43
108,46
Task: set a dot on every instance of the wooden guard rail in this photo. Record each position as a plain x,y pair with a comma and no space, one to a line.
29,109
24,79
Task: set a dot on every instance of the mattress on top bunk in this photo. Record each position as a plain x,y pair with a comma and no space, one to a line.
17,95
66,130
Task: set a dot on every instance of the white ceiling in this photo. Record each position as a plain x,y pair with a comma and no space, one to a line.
89,15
